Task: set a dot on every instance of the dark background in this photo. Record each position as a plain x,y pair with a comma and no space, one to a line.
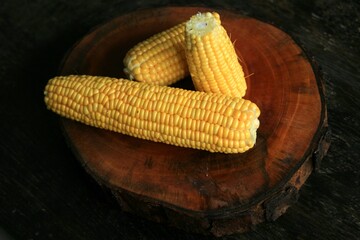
46,194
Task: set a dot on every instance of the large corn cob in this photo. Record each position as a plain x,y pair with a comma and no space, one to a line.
211,57
212,122
159,59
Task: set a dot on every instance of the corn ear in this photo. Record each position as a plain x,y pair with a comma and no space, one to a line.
207,121
211,57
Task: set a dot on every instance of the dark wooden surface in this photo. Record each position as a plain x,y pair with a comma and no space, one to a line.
46,194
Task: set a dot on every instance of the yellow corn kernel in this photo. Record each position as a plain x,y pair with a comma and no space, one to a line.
130,115
211,57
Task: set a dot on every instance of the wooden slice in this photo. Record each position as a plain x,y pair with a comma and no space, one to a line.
192,189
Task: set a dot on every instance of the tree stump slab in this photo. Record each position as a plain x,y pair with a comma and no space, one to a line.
195,190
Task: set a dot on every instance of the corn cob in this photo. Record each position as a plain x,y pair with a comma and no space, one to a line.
159,59
207,121
211,57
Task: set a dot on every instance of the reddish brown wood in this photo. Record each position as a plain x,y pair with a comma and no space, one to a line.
197,190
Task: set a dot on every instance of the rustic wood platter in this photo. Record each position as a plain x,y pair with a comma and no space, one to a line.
198,191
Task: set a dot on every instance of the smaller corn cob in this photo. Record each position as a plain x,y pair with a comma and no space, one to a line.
194,119
159,59
211,57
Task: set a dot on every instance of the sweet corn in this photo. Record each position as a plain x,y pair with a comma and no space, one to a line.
159,59
211,57
157,113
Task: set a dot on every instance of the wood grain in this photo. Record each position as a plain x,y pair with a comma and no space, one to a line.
217,193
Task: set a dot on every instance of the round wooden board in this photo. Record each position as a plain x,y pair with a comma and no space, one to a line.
192,189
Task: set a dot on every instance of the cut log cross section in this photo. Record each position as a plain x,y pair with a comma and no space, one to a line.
198,191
